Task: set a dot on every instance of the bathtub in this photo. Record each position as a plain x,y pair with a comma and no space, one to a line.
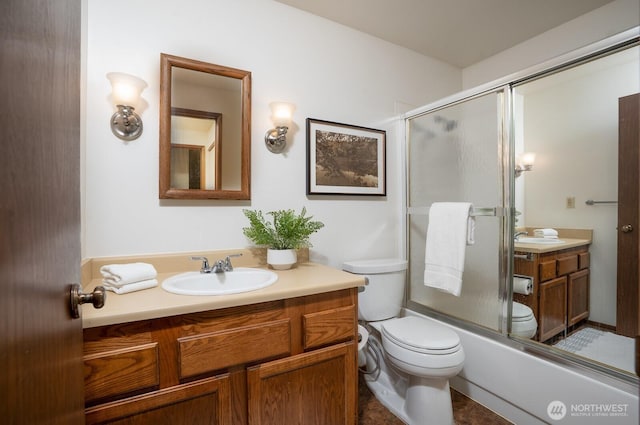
529,389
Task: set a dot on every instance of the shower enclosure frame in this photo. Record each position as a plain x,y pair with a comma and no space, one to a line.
507,165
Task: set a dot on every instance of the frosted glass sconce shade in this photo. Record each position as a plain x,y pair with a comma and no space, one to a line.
125,92
525,162
281,114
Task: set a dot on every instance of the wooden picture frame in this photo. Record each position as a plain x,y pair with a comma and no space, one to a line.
344,159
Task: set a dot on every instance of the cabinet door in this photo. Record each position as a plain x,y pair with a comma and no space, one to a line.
204,402
553,308
314,388
578,288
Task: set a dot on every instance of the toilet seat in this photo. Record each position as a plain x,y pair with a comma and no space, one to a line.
416,334
422,348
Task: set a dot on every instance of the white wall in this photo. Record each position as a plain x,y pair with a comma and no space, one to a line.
599,24
329,71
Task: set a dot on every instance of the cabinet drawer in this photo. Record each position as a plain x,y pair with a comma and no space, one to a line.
547,270
222,349
567,264
329,326
584,260
121,371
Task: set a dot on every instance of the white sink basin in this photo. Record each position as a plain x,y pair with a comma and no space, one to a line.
239,280
538,240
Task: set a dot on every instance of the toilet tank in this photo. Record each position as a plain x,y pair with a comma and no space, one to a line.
383,294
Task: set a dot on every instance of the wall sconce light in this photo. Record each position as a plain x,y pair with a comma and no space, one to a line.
125,92
524,162
276,138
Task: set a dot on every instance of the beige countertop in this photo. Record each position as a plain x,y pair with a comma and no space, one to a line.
304,279
540,248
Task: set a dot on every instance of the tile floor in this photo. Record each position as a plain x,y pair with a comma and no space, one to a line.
465,410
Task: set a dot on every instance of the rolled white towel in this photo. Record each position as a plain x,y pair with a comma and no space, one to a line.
132,287
122,274
545,233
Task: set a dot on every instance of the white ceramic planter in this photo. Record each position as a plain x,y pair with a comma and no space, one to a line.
281,259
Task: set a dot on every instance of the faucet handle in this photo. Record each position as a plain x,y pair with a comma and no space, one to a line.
205,264
227,262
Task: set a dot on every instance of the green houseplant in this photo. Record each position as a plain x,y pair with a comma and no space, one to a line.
286,232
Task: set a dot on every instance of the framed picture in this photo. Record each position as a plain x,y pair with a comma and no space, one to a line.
344,159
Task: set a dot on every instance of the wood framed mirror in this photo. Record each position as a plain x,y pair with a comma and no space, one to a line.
205,130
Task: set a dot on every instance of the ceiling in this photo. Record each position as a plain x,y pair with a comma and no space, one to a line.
459,32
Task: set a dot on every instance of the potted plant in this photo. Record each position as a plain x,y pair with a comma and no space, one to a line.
287,232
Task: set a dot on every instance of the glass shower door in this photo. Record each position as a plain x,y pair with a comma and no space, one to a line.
455,154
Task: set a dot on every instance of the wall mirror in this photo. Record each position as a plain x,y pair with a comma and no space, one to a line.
576,122
205,128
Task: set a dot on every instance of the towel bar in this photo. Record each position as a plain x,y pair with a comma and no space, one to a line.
477,211
592,202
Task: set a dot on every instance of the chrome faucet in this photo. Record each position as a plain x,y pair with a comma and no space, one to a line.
518,234
219,266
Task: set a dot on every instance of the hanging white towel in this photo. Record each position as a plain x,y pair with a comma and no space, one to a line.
121,274
132,287
451,229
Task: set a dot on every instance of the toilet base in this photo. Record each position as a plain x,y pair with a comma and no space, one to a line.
414,400
430,399
389,395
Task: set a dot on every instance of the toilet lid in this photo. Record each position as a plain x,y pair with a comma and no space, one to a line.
416,334
521,312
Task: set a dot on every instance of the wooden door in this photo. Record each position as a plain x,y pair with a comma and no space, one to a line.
314,388
628,296
41,346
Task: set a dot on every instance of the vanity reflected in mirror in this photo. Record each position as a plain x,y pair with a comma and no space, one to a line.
205,123
585,298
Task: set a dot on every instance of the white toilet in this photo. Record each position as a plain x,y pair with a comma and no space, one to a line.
409,359
523,322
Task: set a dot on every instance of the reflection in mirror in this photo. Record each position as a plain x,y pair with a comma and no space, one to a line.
188,169
205,121
199,130
584,297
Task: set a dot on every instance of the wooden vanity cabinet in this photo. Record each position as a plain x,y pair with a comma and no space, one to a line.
256,364
560,297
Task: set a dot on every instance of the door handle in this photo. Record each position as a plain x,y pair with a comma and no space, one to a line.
77,298
627,228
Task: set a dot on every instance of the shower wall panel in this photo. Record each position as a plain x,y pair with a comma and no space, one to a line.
455,155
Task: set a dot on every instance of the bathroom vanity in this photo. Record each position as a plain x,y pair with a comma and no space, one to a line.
560,272
262,357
